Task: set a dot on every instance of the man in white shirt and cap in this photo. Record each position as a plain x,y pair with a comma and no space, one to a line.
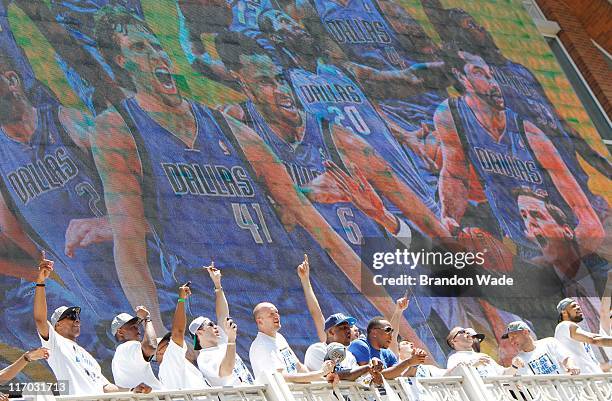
68,360
271,352
132,360
461,340
578,341
175,371
218,360
540,357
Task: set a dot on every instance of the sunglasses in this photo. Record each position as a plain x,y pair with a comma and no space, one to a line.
209,323
459,333
387,329
72,315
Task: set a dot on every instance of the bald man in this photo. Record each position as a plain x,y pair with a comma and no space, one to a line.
271,352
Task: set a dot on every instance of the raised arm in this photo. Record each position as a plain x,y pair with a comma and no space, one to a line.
356,151
221,305
13,369
119,168
229,359
400,306
589,231
303,271
149,340
605,321
453,185
180,318
45,267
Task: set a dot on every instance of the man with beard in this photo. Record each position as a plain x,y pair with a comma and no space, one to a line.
522,92
171,162
577,340
488,150
47,175
325,91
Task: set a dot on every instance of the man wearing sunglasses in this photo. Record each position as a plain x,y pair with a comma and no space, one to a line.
461,340
68,360
131,362
379,337
218,360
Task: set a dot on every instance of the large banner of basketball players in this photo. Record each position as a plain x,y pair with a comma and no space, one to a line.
141,140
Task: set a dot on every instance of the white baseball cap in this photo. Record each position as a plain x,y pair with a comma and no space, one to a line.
120,320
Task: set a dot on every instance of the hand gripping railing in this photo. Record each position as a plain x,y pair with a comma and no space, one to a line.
550,388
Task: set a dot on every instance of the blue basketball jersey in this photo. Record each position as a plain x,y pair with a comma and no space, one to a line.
206,204
524,94
329,93
304,162
367,38
47,183
503,166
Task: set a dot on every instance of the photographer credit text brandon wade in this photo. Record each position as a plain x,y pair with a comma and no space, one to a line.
405,263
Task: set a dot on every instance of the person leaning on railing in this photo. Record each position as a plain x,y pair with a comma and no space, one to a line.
461,340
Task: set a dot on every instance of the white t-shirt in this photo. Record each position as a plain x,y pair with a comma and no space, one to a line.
209,360
582,353
315,356
177,373
545,359
130,368
69,361
469,357
271,354
423,371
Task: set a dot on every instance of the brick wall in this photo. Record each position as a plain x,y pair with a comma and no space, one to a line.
579,21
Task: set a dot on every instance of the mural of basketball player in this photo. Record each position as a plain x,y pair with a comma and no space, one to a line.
549,227
306,145
390,55
174,162
51,199
326,91
522,92
488,150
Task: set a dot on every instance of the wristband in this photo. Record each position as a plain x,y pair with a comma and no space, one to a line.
41,285
515,367
27,358
181,300
231,343
218,289
147,319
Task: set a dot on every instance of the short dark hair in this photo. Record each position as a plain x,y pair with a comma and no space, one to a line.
374,323
109,21
231,45
555,212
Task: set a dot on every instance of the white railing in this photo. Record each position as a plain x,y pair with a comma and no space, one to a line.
464,385
448,388
551,387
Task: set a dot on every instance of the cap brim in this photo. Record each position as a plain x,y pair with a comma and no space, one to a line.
132,320
479,336
76,309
